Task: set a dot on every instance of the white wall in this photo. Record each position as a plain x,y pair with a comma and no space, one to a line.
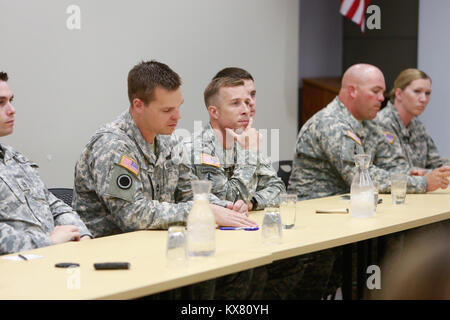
69,82
433,58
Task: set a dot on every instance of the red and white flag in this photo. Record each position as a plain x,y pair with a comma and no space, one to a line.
355,10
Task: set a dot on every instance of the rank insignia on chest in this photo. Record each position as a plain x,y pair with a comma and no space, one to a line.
130,164
354,137
390,137
210,160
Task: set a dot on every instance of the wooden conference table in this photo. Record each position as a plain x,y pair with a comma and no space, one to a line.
235,251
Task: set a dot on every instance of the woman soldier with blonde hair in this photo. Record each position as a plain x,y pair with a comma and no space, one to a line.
408,99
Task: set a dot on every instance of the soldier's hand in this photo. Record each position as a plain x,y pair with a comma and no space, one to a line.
61,234
239,206
418,172
249,139
229,218
438,179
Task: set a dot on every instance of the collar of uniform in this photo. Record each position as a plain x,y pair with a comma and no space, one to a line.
398,120
134,133
211,141
2,152
163,147
357,126
6,152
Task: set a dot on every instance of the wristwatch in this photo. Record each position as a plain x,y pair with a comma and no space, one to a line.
254,202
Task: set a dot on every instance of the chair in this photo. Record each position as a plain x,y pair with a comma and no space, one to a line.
65,194
284,170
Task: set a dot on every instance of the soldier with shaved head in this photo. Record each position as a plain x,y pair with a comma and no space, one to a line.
324,164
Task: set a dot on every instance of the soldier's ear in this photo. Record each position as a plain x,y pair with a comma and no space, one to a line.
398,94
213,112
351,90
138,105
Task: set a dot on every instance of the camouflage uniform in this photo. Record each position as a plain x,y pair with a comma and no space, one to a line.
236,173
416,144
239,174
324,166
324,161
122,186
28,211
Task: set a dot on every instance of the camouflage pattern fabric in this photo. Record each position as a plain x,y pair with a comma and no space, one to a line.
324,166
28,211
285,278
324,161
318,279
416,145
236,173
121,186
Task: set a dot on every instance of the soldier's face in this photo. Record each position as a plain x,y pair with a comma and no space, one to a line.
161,115
415,97
233,107
250,86
369,96
7,111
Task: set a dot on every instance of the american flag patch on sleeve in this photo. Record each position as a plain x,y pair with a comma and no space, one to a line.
130,164
354,137
210,160
390,137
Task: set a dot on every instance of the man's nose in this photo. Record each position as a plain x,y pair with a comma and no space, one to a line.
245,108
177,114
10,110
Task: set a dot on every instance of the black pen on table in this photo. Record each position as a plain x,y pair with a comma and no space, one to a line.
22,257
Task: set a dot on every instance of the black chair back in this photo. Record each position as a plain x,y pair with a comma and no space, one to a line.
284,170
65,194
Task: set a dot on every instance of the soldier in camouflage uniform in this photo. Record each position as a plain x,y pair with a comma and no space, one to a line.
409,98
239,171
131,174
407,135
30,215
324,164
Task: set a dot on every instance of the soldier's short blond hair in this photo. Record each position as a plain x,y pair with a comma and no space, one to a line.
212,90
405,78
